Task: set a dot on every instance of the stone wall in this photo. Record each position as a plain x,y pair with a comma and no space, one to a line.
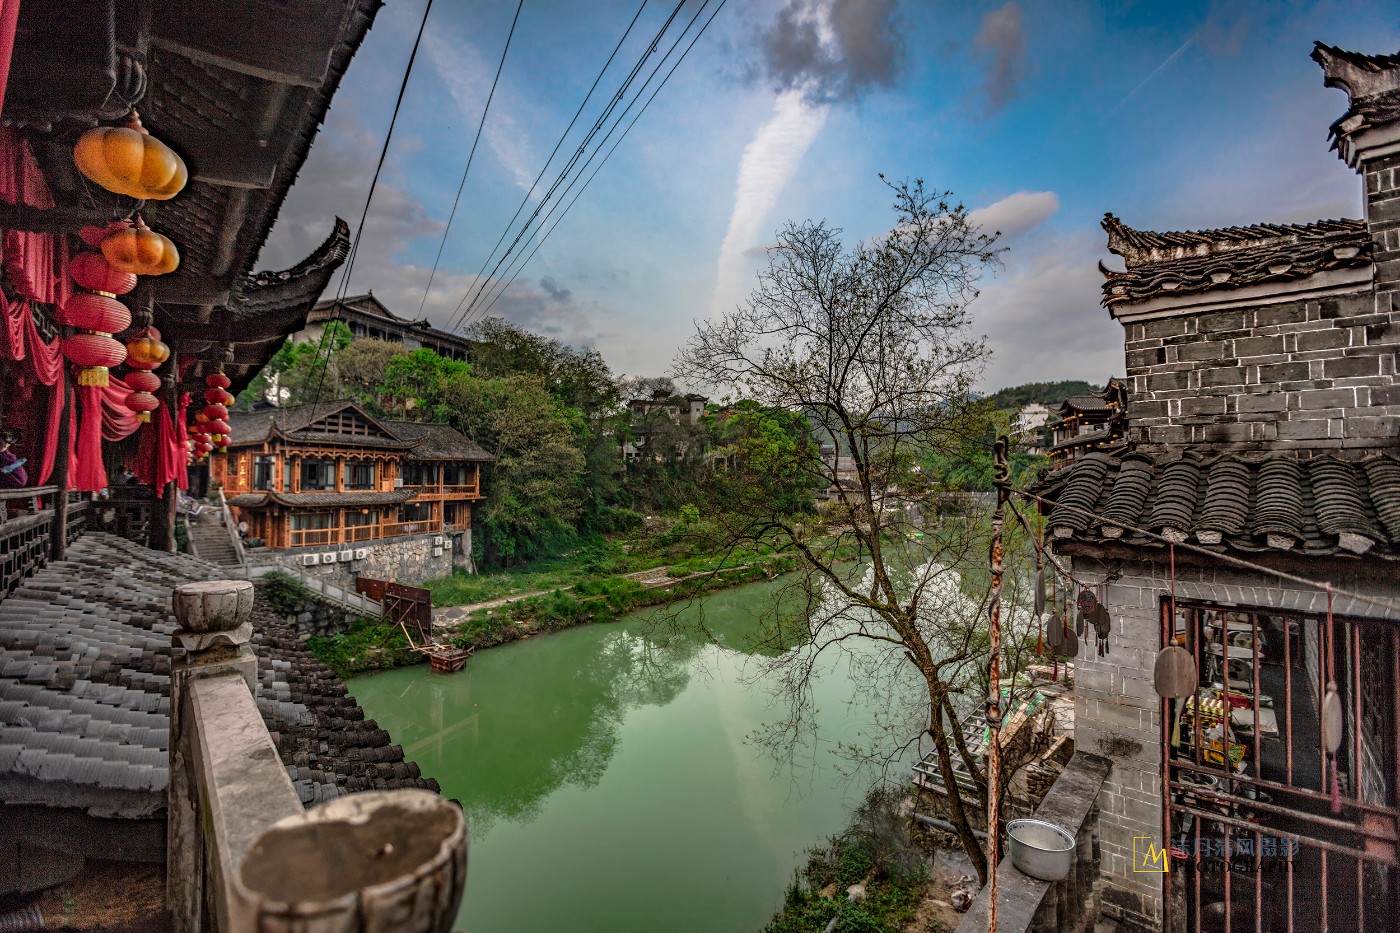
409,560
1298,375
1118,713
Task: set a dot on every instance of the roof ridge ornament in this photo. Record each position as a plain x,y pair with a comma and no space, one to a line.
1372,86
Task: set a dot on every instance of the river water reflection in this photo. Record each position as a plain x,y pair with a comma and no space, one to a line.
607,781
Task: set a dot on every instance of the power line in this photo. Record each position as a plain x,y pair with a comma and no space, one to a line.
359,232
455,201
458,314
533,185
581,190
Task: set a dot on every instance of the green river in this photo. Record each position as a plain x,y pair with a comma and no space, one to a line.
608,783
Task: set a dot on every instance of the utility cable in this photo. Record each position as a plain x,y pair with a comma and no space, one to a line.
369,198
471,155
458,314
540,242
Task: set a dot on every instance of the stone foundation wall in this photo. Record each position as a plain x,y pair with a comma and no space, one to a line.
1118,713
409,560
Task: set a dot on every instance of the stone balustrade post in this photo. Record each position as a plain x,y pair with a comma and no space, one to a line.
216,627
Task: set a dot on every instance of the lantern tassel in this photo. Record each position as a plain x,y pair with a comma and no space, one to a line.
144,417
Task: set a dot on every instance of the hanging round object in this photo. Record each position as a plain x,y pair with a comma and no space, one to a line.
216,412
143,403
96,354
91,311
202,420
219,427
141,250
1070,648
94,234
1087,601
1040,591
1331,720
217,381
218,397
93,272
145,350
140,380
129,160
1055,632
1174,673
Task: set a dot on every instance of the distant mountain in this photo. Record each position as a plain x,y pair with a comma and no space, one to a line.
1047,393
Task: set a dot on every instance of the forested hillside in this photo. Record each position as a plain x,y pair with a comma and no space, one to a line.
1047,393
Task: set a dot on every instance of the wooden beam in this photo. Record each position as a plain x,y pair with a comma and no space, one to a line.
200,290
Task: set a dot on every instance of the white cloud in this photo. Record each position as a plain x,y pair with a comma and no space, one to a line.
467,77
1017,213
1042,315
769,162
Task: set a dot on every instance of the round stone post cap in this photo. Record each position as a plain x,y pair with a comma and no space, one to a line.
213,605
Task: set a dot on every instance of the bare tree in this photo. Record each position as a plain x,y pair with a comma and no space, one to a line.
871,343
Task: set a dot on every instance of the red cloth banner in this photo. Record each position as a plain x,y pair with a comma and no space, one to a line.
9,18
37,263
86,472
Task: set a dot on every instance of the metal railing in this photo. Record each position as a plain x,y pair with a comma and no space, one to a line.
231,527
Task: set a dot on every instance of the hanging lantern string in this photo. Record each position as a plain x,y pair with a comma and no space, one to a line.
1043,558
1390,606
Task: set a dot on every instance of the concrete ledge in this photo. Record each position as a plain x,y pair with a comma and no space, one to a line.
1026,905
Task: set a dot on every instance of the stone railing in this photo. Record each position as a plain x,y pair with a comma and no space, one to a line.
231,527
1027,905
242,854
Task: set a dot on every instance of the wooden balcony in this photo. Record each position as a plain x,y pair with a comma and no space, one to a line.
358,534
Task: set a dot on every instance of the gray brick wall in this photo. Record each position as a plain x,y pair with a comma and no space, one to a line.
1298,376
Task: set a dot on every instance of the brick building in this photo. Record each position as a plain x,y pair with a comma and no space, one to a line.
1265,418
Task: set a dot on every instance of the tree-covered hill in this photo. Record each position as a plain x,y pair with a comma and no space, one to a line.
1047,393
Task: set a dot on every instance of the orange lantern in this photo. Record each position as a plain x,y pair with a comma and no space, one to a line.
140,250
129,160
145,350
95,354
93,272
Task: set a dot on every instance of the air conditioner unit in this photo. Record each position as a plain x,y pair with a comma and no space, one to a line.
328,557
361,553
346,555
398,482
437,552
310,560
437,541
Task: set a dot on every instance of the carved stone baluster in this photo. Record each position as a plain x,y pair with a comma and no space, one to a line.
212,641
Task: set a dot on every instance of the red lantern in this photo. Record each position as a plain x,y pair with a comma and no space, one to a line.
218,397
94,312
93,272
217,380
215,412
96,354
93,235
219,427
142,381
143,403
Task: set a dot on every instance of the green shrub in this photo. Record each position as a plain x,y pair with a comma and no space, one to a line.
369,645
283,592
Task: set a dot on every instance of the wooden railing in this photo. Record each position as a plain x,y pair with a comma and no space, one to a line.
241,853
353,534
27,521
470,489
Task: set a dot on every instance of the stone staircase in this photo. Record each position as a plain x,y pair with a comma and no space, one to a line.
211,541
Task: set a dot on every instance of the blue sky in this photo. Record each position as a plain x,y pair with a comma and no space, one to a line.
1041,116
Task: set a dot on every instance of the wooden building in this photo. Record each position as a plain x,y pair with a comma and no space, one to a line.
1088,422
331,474
367,316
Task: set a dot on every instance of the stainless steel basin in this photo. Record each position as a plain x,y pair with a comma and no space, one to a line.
1040,849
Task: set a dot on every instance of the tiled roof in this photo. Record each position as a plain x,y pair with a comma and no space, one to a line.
253,427
329,499
1085,403
438,442
1204,260
1372,85
1319,506
84,690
